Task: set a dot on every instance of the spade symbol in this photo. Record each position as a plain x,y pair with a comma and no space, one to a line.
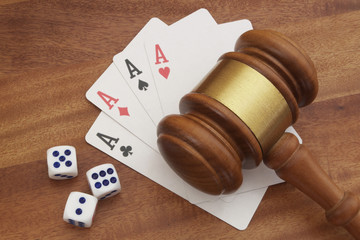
143,85
126,150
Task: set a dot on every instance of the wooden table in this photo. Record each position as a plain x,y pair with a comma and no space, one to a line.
51,52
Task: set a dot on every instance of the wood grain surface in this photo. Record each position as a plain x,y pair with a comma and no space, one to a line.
51,52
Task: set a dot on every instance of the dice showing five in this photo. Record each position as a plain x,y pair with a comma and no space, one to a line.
62,163
104,181
80,209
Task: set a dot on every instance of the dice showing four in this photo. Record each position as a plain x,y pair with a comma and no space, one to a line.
62,163
103,180
80,209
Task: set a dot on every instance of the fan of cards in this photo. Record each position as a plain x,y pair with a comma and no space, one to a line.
145,83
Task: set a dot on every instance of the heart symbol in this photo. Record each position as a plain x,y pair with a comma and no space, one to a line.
164,72
143,85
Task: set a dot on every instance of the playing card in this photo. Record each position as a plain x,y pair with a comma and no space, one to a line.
114,140
236,210
133,65
112,95
198,19
179,61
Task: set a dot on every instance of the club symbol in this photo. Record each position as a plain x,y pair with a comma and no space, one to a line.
126,150
143,85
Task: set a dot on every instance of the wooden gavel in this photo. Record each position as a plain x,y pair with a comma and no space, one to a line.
237,116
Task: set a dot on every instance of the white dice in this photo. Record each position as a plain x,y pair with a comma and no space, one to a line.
104,181
62,163
80,209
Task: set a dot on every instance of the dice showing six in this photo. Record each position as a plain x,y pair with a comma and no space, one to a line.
103,180
62,163
80,209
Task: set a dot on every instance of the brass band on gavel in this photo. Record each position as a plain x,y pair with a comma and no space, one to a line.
252,97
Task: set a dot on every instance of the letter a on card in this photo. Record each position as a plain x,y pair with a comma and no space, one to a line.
107,139
159,55
131,67
107,99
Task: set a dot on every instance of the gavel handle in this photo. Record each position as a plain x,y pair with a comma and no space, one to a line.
293,163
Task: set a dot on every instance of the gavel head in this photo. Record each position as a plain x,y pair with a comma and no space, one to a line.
238,112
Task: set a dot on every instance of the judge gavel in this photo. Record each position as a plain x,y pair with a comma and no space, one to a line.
237,116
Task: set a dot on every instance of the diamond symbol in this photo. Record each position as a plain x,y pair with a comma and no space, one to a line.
123,111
